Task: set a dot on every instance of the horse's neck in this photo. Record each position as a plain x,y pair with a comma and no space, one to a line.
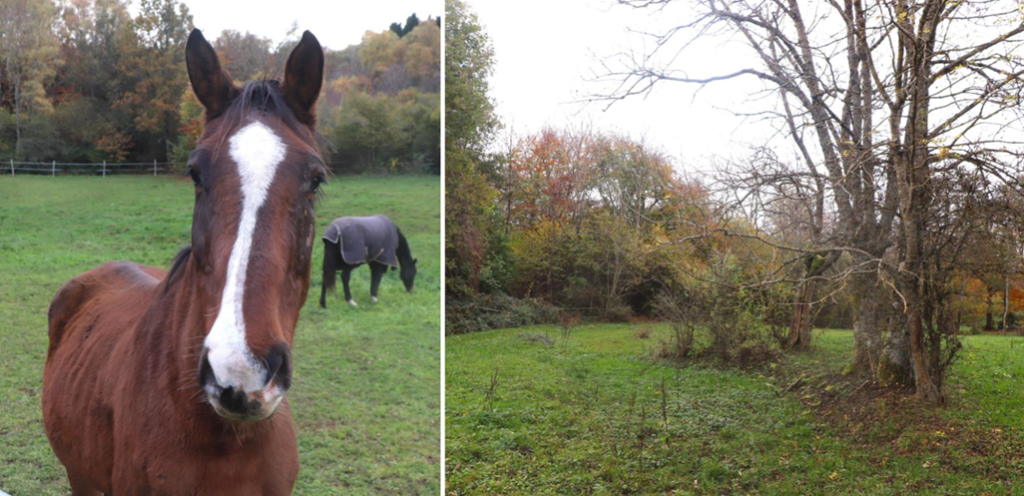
175,321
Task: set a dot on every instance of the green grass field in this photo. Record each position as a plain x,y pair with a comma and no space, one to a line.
595,415
366,390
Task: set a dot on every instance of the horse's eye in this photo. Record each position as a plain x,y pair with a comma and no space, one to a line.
317,181
195,177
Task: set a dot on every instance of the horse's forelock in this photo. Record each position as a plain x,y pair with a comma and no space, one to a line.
264,99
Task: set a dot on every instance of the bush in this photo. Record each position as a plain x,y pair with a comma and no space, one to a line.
682,314
485,312
619,313
740,324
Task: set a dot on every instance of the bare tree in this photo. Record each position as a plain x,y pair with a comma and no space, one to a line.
788,204
873,95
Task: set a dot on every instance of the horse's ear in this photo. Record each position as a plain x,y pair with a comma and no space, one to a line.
303,76
212,86
415,260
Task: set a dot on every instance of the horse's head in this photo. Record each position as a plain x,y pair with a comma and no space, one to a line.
257,169
408,274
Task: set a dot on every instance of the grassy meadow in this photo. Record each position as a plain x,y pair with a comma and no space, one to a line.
366,388
530,412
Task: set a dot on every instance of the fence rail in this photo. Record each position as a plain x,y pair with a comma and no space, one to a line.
13,167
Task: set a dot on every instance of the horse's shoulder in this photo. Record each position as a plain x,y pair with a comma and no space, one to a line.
75,294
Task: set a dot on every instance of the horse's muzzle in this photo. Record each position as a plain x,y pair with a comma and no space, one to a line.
233,402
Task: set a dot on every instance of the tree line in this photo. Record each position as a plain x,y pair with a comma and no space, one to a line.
900,208
86,81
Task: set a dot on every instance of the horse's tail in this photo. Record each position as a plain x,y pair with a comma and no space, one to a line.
331,255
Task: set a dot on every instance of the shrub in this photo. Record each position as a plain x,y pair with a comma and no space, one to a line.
485,312
534,337
619,313
682,313
740,324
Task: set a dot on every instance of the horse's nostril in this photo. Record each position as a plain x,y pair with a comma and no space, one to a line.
235,401
279,366
206,376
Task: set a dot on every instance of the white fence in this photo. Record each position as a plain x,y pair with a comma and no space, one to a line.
53,168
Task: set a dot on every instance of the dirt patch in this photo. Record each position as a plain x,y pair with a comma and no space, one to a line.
871,415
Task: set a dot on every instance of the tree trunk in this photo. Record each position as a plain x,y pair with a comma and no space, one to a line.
800,325
881,349
867,328
1006,303
17,121
913,278
16,82
894,360
913,180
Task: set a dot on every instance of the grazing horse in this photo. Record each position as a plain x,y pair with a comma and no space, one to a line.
174,382
352,241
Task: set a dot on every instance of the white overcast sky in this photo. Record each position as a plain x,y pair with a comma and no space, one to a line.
336,24
547,52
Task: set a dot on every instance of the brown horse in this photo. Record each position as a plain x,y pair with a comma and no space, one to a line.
174,382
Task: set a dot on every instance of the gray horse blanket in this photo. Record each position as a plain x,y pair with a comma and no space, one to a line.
365,239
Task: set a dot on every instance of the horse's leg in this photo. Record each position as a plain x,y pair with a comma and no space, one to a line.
330,268
329,272
346,274
79,487
376,273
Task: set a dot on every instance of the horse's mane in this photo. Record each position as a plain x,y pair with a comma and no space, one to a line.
265,97
403,251
176,267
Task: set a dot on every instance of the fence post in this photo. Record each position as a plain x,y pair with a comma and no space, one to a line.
104,168
53,171
12,167
154,167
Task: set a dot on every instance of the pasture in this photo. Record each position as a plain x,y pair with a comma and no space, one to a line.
595,415
366,389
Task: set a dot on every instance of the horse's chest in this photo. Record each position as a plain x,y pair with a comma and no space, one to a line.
159,464
208,475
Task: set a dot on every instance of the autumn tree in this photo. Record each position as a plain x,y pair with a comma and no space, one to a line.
469,126
423,57
30,55
246,57
155,63
92,80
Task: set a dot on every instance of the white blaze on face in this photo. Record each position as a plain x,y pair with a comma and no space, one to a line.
257,151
